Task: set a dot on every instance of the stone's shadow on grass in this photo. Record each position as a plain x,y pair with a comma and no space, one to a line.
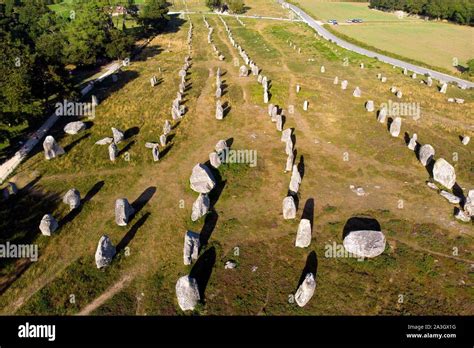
429,166
220,184
173,127
202,270
132,232
224,88
126,148
308,211
70,146
93,191
108,87
406,137
359,223
457,191
75,212
188,87
131,132
389,123
165,151
210,223
21,265
226,106
311,266
143,199
229,142
301,167
296,198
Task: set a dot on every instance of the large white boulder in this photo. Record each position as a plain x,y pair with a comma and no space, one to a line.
202,180
444,173
365,243
305,290
187,293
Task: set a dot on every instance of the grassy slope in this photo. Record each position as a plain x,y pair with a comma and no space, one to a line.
249,208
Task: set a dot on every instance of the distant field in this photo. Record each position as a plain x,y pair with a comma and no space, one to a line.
432,43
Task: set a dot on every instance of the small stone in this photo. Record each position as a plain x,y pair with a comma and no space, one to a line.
357,92
118,135
465,140
113,152
105,141
51,148
123,211
191,247
72,198
230,265
74,127
450,197
413,142
369,106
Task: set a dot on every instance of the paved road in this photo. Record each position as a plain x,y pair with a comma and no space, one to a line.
351,47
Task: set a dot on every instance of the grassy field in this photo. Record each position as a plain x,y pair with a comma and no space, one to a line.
432,43
418,262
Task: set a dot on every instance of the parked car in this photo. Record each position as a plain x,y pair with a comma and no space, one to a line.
333,22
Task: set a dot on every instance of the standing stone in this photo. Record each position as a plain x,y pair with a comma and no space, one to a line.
362,65
218,93
382,115
413,142
72,198
118,135
414,76
266,97
289,162
305,290
465,140
336,80
298,88
123,211
221,146
379,76
344,84
426,154
270,109
469,204
289,208
202,180
405,71
163,140
243,71
94,101
279,123
365,243
74,128
259,78
395,127
289,147
155,153
274,113
305,105
48,225
295,180
429,81
393,89
303,236
286,135
357,92
450,197
370,106
323,69
191,247
384,79
187,293
444,173
200,207
51,148
215,160
444,88
105,252
219,110
113,152
399,94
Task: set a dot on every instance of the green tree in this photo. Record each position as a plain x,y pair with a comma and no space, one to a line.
120,45
236,6
154,15
214,4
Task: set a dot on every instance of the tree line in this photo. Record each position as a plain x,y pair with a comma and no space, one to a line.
38,47
235,6
458,11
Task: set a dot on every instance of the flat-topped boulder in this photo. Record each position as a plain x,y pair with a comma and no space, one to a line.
105,252
105,141
365,243
306,290
202,180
